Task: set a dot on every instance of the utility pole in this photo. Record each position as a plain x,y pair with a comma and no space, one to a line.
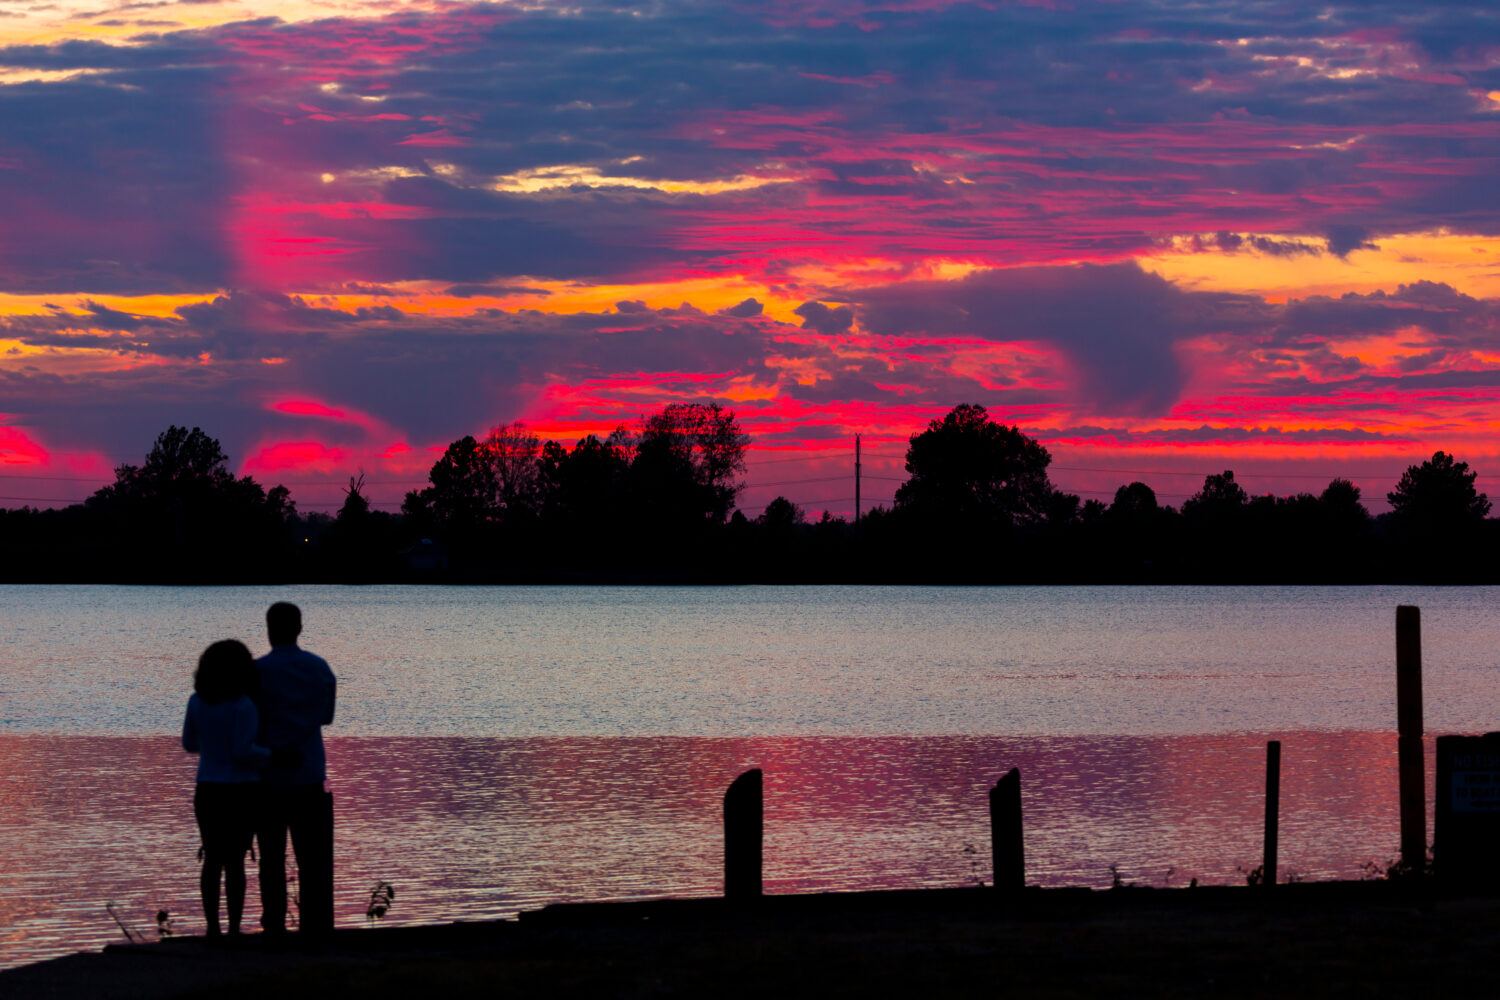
856,479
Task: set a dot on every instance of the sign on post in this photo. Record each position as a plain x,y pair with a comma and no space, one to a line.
1466,824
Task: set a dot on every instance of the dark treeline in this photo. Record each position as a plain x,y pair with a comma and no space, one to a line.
657,503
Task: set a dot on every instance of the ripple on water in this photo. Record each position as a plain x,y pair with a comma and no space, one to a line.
477,828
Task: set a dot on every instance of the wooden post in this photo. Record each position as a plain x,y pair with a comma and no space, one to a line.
1273,811
1413,793
1006,845
315,878
743,833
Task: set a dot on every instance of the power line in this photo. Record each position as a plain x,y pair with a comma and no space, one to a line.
813,503
55,479
795,482
1256,475
300,482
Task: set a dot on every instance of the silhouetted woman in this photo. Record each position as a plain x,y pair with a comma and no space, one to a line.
220,728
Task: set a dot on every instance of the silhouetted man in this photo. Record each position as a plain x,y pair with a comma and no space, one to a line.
296,702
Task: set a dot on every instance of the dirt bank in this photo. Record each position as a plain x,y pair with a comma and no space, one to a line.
1321,939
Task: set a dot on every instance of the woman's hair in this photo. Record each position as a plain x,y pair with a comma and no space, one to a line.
225,671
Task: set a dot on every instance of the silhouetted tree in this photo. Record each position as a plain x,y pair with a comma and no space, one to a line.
1131,542
355,507
183,514
361,542
1062,508
1345,534
582,495
1437,521
512,449
687,465
781,514
968,470
463,493
1219,546
1220,493
1439,491
978,506
1134,500
1341,499
584,483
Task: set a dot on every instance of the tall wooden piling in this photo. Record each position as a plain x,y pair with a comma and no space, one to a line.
1413,793
744,826
1273,812
1006,844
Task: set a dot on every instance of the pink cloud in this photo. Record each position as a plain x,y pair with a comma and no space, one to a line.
322,411
295,457
16,449
442,137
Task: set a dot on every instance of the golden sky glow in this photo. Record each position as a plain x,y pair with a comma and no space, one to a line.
1468,262
60,20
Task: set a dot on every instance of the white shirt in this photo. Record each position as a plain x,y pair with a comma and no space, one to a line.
223,736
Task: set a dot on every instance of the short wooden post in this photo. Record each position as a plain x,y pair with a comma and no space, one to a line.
744,819
315,876
1410,770
1006,844
1273,811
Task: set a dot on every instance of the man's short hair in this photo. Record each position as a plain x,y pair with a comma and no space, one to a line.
284,621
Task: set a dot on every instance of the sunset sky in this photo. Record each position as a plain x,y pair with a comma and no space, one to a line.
1164,238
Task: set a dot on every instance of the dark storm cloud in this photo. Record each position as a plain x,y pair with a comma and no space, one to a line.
1120,328
1237,243
744,310
1207,434
827,321
1345,239
473,291
1436,309
1116,323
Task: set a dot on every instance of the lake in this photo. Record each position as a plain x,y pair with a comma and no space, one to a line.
500,748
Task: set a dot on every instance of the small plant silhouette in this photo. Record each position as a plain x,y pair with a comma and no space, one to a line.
382,898
972,853
131,936
163,925
1396,869
1253,876
1115,881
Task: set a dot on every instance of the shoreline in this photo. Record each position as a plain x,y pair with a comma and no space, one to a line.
1312,938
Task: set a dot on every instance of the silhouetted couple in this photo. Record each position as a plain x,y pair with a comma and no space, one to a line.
256,726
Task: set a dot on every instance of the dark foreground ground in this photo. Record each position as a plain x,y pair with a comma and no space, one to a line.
1321,939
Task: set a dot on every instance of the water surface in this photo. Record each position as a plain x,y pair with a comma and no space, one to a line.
497,749
768,661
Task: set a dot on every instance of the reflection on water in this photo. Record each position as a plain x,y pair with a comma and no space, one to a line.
469,827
